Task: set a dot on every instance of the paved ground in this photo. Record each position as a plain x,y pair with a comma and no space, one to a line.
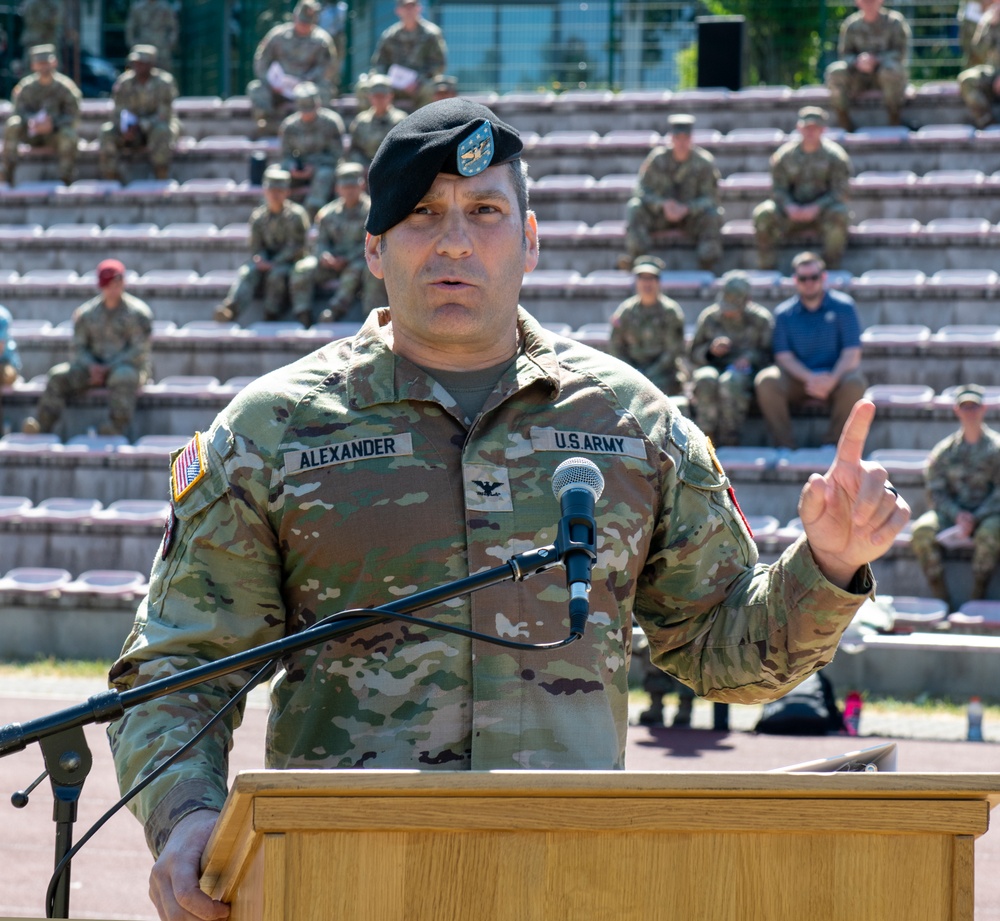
109,875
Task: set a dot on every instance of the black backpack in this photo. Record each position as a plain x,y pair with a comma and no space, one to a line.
809,709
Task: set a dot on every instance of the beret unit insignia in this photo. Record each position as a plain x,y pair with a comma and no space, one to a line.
476,151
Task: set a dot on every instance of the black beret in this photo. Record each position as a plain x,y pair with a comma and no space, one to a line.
453,136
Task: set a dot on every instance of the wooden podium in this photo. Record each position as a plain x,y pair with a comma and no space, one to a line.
598,846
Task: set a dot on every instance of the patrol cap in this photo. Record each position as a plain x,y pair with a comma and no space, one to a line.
454,136
349,174
307,96
277,178
813,115
42,53
736,285
108,271
681,124
306,11
648,265
144,54
969,393
378,83
445,82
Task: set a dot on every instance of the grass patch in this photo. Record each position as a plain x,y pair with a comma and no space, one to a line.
54,668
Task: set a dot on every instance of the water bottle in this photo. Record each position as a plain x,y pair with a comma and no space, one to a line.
852,713
975,714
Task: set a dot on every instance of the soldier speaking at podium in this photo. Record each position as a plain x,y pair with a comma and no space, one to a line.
466,405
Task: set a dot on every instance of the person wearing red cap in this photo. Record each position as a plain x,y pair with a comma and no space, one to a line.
111,335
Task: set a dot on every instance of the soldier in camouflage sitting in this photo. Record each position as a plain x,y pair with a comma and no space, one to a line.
46,114
731,343
810,181
338,253
411,53
292,53
111,348
963,485
874,53
154,22
371,125
420,450
278,231
312,144
677,190
647,329
980,85
143,118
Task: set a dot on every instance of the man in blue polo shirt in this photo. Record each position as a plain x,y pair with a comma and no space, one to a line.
817,354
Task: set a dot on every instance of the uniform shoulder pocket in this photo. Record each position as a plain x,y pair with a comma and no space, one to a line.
197,471
697,464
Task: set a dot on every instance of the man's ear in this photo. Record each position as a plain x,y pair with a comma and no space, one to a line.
531,237
373,254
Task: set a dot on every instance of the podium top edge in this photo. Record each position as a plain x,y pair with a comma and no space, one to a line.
308,783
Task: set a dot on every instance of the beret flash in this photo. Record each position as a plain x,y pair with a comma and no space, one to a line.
453,136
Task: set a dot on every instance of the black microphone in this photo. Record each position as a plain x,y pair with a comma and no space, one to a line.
577,484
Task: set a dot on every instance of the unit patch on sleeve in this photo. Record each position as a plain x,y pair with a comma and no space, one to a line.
188,469
550,439
487,489
343,452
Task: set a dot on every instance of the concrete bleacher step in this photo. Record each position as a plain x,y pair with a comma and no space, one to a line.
569,246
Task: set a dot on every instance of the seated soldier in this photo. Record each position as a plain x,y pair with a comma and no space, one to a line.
371,125
647,329
10,358
111,336
873,52
292,53
46,114
677,189
143,118
980,84
312,143
338,253
810,180
278,231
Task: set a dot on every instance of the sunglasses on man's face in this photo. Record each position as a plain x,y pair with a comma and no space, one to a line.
815,277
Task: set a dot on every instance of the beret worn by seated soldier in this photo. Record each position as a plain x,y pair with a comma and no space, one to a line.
453,136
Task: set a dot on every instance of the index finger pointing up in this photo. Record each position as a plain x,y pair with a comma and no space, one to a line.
851,447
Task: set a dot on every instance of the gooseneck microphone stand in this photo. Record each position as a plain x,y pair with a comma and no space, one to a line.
64,748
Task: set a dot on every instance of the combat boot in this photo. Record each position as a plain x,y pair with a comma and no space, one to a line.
112,427
224,313
682,718
7,173
624,261
654,715
44,423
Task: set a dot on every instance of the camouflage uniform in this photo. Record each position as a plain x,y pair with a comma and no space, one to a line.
318,143
798,177
153,22
279,238
693,183
349,477
118,338
976,83
310,58
340,232
962,477
42,22
651,339
423,50
888,38
10,357
722,393
368,130
158,130
61,100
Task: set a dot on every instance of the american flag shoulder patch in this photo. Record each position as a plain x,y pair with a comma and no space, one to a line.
188,469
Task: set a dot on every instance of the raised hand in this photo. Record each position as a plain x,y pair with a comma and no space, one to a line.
849,516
